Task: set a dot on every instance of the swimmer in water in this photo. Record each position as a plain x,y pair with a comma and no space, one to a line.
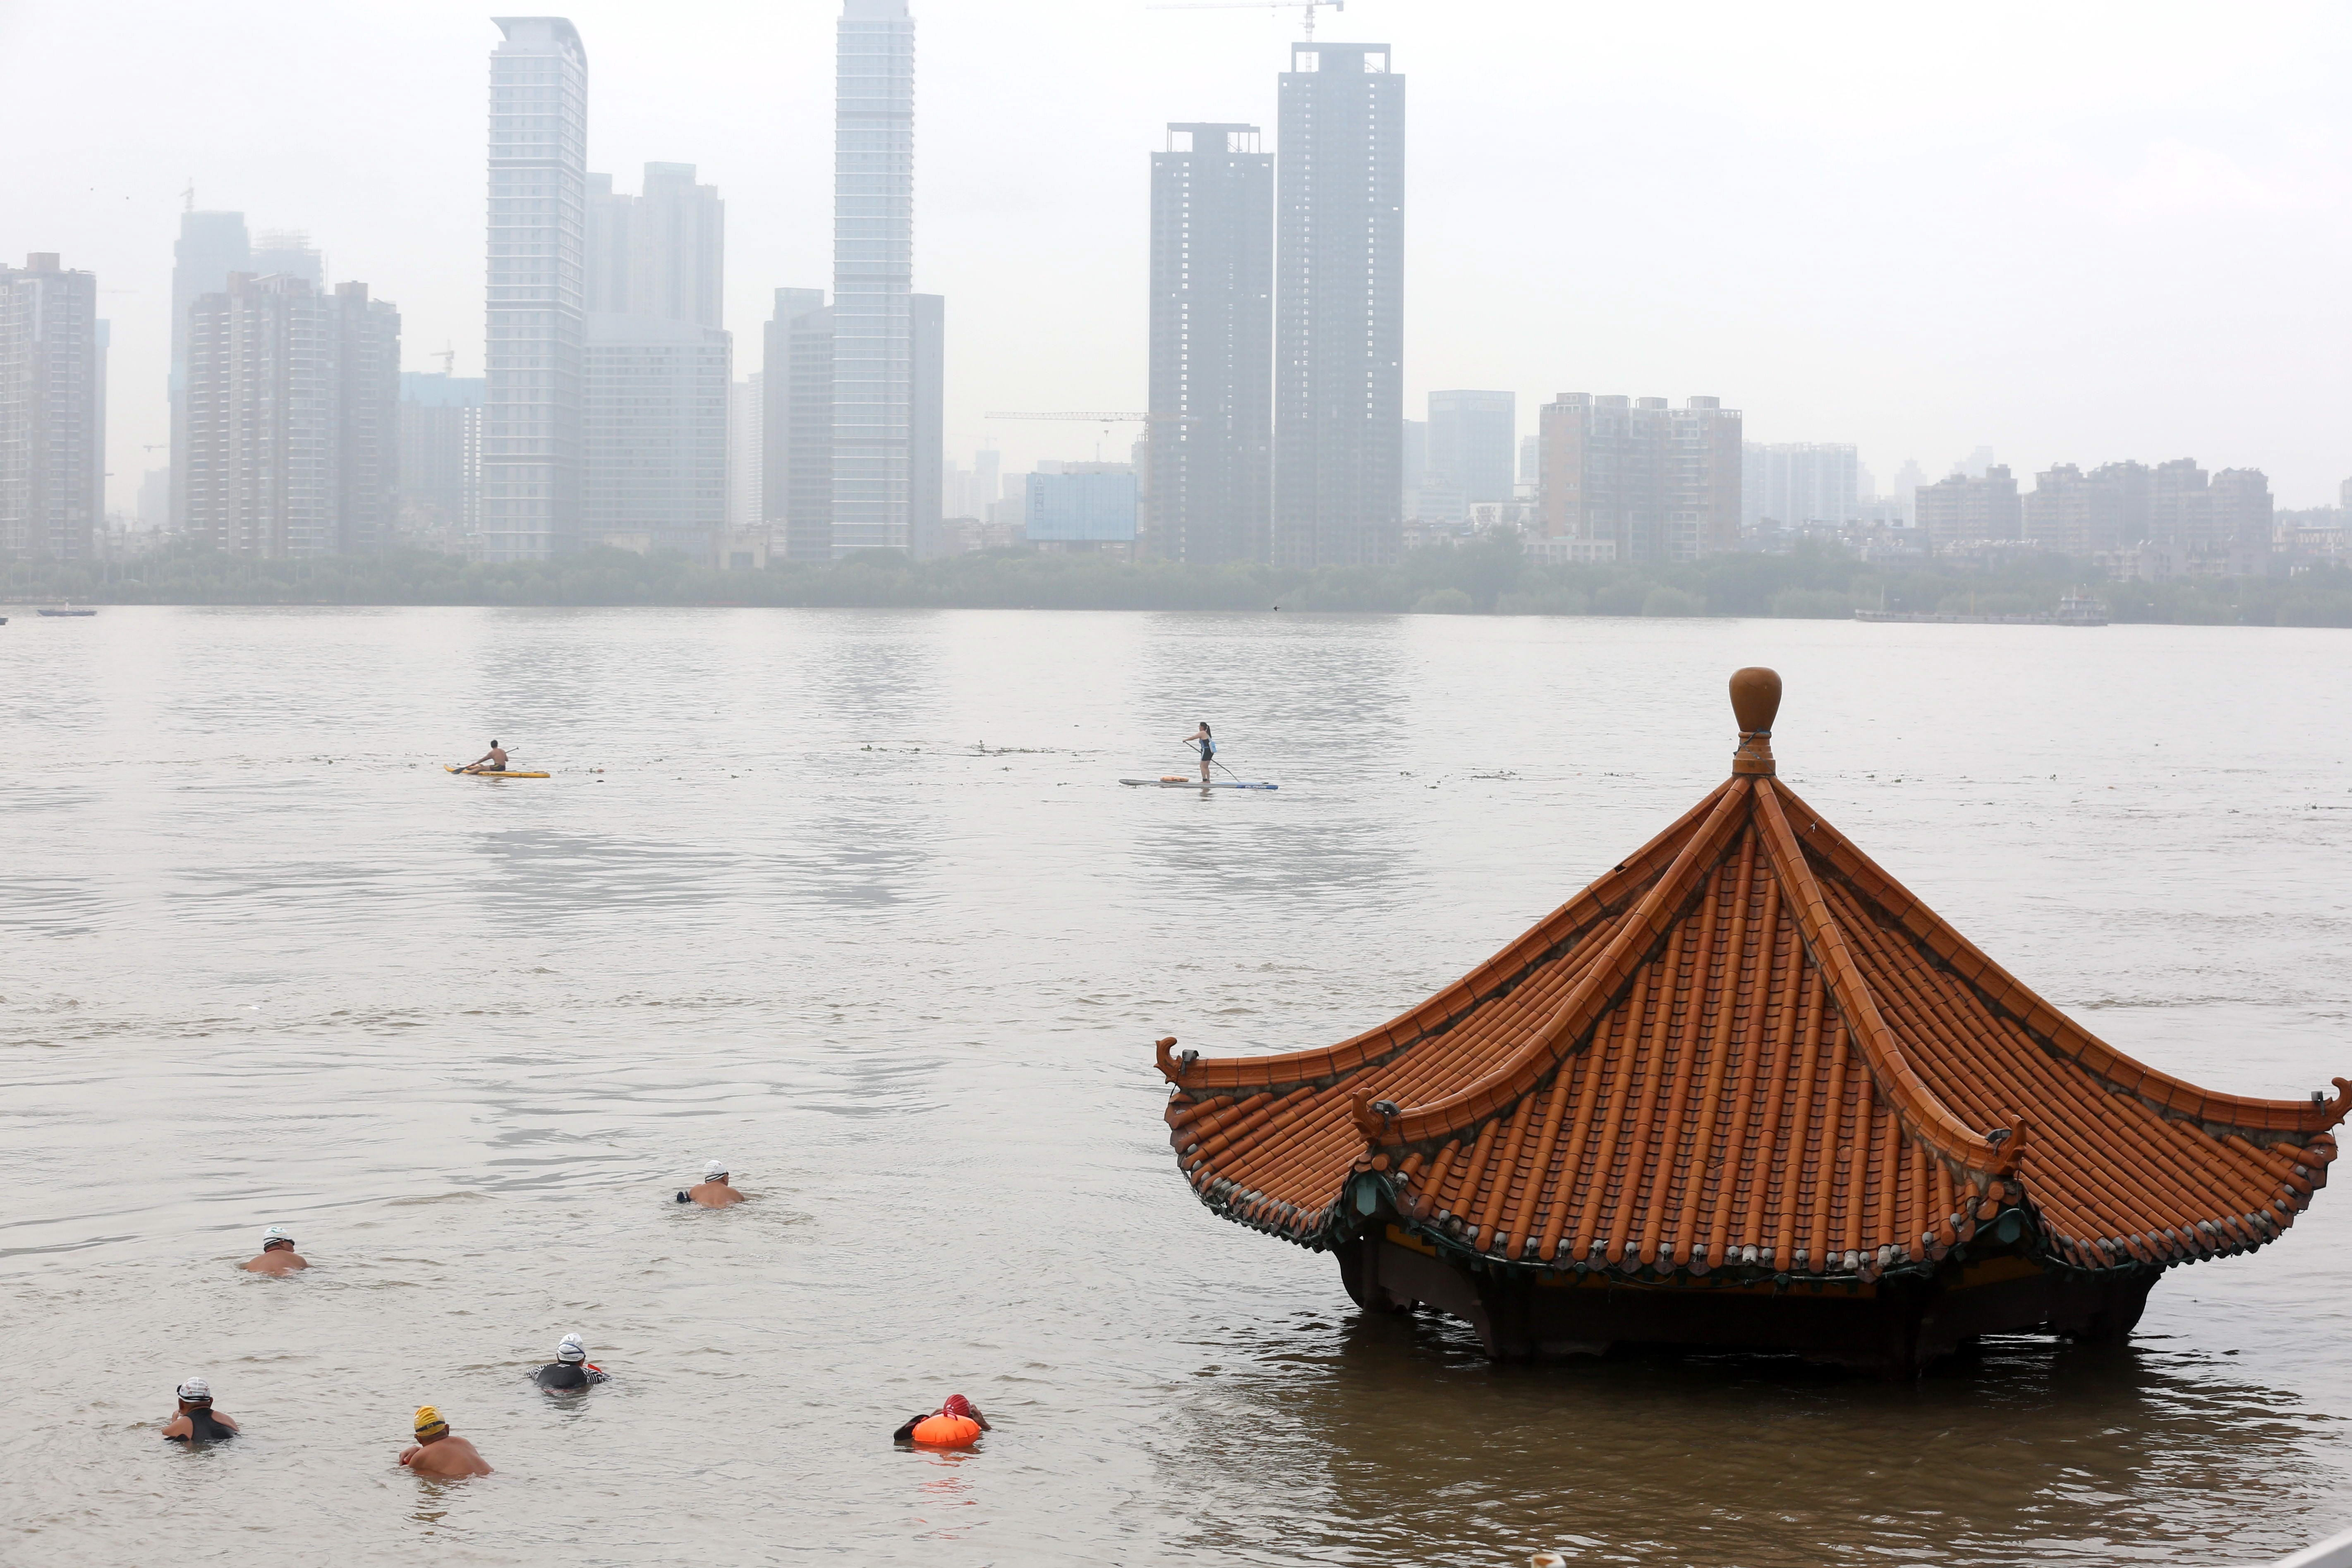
436,1453
956,1424
277,1255
571,1368
712,1193
493,760
195,1421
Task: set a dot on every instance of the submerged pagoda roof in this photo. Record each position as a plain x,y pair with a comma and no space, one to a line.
1746,1051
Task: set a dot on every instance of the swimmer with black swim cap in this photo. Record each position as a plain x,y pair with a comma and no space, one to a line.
571,1368
712,1191
195,1421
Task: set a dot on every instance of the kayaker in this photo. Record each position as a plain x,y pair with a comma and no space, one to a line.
712,1191
1201,741
436,1453
571,1368
956,1424
496,759
195,1421
277,1255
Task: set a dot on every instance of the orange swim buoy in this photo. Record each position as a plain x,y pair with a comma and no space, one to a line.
946,1432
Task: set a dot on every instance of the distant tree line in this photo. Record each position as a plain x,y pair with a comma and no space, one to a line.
1490,575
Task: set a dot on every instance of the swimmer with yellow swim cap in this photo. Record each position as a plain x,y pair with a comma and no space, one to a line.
956,1424
436,1453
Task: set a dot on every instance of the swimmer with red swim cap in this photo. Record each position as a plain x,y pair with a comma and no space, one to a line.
956,1424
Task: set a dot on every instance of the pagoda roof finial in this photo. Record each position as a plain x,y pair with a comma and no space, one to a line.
1755,702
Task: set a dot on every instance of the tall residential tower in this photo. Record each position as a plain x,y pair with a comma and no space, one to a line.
1339,348
538,280
1212,437
873,276
52,411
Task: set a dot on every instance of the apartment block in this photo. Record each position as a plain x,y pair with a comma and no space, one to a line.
52,411
1653,484
1961,508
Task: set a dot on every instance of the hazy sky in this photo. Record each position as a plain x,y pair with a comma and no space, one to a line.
2075,233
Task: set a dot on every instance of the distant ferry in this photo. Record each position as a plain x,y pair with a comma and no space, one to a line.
67,611
2074,610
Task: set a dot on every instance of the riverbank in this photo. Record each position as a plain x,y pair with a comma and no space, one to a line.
1491,577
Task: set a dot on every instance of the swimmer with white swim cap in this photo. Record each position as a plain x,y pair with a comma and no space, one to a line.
197,1421
277,1255
570,1369
712,1193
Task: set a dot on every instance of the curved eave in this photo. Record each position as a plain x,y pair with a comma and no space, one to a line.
2261,1121
1290,1069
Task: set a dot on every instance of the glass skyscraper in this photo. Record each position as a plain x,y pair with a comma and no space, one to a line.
536,345
873,276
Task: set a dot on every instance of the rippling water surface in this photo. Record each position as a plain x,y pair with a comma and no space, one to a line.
857,905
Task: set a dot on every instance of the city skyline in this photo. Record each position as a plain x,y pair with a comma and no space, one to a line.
1908,326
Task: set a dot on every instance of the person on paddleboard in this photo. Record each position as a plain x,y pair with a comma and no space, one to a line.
1202,741
493,760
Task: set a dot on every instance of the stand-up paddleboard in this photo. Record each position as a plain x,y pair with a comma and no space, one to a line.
491,773
1173,783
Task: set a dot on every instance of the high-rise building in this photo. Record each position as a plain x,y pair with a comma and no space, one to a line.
654,435
1530,463
537,337
1799,482
52,411
746,448
927,318
212,245
1471,435
1339,354
657,375
873,276
659,254
1638,481
265,418
367,415
796,411
441,459
1962,508
288,253
1210,487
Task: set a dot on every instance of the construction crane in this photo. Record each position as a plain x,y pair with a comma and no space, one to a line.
1108,420
1306,5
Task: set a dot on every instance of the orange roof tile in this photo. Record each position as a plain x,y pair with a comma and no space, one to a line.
1747,1048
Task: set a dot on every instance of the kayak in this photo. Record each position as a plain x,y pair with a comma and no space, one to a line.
488,773
1195,784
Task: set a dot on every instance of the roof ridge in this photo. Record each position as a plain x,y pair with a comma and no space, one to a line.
1926,1117
2011,996
1594,992
1381,1042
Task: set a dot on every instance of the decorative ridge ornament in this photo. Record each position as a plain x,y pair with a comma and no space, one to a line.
1755,702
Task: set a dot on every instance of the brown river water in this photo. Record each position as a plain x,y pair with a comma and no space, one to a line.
264,964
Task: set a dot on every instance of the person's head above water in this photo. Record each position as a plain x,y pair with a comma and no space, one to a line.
956,1405
430,1428
571,1348
274,1238
715,1171
196,1392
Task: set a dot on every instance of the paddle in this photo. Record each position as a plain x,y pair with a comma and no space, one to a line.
1229,773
